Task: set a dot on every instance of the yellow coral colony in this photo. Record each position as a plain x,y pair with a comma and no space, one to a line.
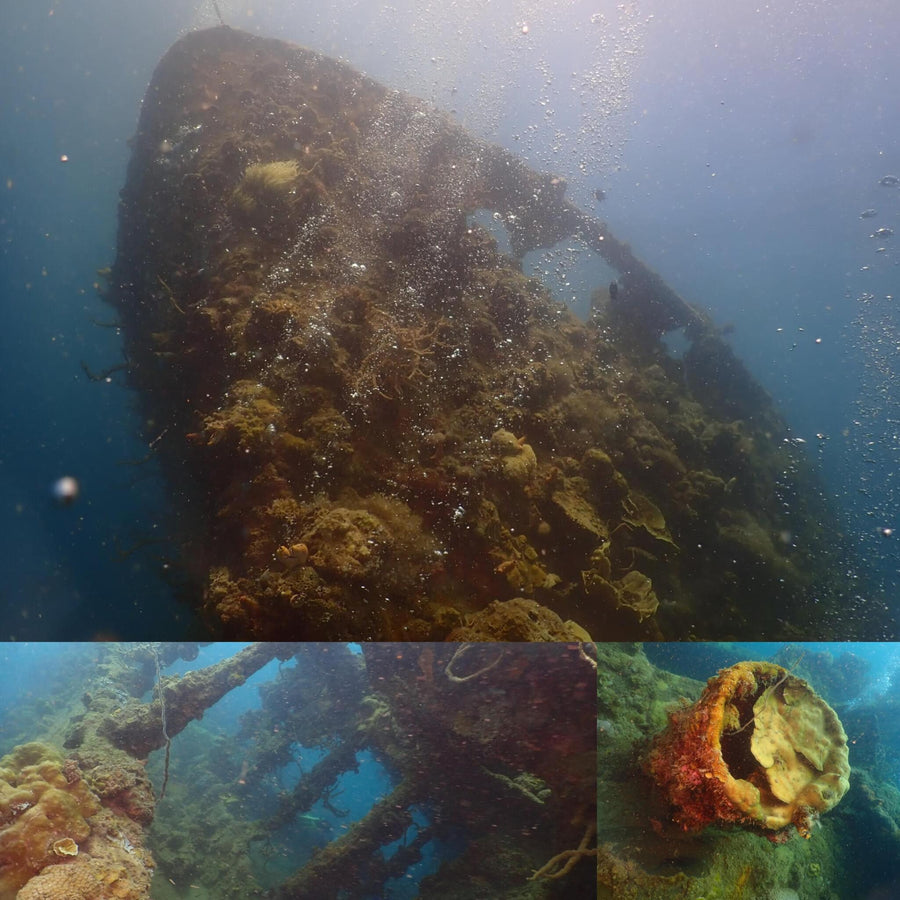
42,814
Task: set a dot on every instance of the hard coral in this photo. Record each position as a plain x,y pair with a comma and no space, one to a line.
65,847
518,619
634,591
63,882
518,462
97,878
123,785
759,748
41,810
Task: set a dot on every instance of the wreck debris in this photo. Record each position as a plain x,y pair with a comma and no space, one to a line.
759,748
349,866
137,727
462,710
479,758
98,798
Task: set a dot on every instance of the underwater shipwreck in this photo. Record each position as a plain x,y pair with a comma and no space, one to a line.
376,426
491,751
748,788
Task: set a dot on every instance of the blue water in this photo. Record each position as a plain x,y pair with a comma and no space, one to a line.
853,677
737,146
356,791
697,660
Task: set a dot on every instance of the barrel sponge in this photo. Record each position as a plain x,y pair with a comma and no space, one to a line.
759,748
44,801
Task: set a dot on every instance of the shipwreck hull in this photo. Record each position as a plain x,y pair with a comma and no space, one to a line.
383,429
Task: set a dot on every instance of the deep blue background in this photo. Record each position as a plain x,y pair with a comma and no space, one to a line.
737,144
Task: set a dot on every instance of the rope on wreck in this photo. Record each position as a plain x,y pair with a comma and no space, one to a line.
460,650
162,708
563,863
584,655
219,14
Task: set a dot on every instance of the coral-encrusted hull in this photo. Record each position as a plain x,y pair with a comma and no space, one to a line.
378,427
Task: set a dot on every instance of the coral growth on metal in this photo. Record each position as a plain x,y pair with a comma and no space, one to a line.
379,426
